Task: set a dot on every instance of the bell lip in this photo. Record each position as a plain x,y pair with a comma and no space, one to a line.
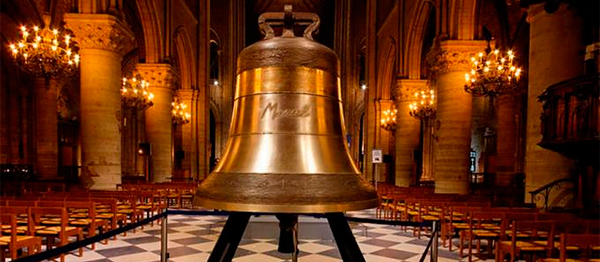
297,209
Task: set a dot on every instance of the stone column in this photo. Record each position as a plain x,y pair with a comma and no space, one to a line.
200,109
506,120
103,40
46,129
449,61
371,120
555,54
189,163
408,130
159,119
386,142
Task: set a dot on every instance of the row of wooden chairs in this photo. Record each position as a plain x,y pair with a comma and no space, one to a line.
178,194
515,233
586,244
33,225
97,211
474,219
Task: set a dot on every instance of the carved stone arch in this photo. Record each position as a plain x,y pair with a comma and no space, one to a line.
359,111
138,52
360,70
148,14
26,12
215,66
219,140
386,72
185,58
465,12
130,60
214,37
414,49
216,111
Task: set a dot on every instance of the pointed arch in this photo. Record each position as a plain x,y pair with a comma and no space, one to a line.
185,58
152,30
414,48
465,13
387,69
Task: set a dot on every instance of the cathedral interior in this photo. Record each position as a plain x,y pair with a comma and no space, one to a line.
494,98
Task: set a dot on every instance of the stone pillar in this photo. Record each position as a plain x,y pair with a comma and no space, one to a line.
555,54
371,119
506,148
386,142
190,163
46,130
103,40
449,61
159,120
201,110
408,130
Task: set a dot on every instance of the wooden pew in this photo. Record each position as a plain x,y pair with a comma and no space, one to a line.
13,242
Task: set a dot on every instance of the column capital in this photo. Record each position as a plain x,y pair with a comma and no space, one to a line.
453,55
406,88
385,103
159,75
535,11
187,94
100,31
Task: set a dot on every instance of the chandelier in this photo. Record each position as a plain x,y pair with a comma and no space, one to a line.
45,53
492,74
135,94
424,106
180,114
388,119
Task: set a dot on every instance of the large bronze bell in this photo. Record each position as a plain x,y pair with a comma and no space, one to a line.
286,151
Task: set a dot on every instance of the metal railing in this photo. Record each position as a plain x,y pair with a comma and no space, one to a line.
432,246
543,193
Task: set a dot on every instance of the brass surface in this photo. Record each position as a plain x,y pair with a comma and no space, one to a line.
286,151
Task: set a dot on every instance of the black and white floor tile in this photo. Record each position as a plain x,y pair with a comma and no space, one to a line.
192,238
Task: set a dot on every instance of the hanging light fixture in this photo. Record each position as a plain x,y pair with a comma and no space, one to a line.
135,94
492,73
424,105
45,52
180,114
388,118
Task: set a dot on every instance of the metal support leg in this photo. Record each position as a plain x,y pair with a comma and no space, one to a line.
344,238
288,235
230,237
434,244
164,256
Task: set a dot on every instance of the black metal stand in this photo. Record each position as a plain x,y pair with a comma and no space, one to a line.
344,238
230,237
235,226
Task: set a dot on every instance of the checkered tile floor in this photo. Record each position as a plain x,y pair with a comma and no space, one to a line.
192,238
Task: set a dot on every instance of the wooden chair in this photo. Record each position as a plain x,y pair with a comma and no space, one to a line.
55,226
538,238
187,196
22,203
456,220
581,245
482,226
146,204
22,214
128,205
388,207
83,214
429,212
107,209
13,242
